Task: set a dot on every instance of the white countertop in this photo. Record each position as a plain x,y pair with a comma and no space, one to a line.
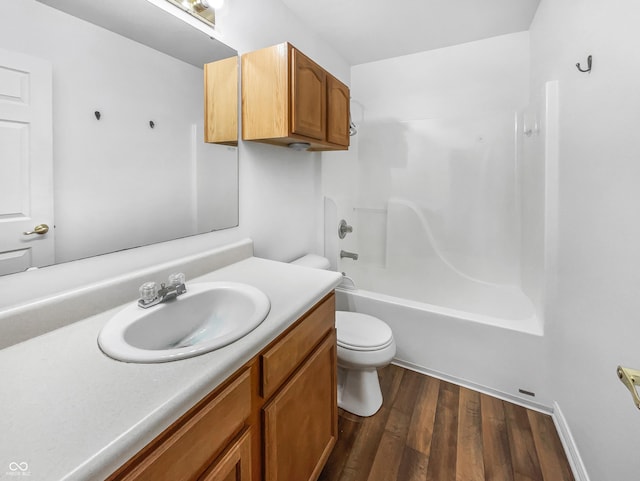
72,413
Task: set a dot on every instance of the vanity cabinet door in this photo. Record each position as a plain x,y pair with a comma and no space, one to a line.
308,97
235,464
281,360
301,420
186,448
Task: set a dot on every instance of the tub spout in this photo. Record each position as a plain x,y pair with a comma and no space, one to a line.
350,255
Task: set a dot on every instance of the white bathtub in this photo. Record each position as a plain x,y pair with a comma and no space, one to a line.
492,355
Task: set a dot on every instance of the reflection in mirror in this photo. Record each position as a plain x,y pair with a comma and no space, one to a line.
200,9
114,124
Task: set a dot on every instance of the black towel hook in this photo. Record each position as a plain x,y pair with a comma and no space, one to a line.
589,62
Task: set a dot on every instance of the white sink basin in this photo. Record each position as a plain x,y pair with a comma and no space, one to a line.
208,316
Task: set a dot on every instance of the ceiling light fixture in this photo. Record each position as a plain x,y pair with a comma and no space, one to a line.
203,10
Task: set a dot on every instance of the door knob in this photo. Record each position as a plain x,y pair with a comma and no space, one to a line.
40,229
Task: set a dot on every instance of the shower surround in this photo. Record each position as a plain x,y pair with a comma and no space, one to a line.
445,186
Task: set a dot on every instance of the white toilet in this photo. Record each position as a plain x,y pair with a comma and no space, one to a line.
365,343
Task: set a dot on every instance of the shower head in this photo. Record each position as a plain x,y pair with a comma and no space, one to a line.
352,127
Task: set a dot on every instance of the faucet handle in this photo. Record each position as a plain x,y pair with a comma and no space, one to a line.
176,282
344,229
176,279
148,292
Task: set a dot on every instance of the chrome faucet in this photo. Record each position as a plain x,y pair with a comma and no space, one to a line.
350,255
150,295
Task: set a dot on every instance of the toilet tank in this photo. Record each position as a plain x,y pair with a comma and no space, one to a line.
313,260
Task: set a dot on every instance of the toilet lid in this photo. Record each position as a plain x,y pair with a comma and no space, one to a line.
361,332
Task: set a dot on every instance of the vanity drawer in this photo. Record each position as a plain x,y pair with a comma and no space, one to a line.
192,443
279,362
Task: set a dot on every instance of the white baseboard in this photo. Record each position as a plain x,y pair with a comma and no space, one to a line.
569,444
534,406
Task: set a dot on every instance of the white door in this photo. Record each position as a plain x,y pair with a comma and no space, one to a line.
26,162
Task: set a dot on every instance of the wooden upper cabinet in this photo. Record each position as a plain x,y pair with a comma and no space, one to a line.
288,98
308,97
221,102
338,104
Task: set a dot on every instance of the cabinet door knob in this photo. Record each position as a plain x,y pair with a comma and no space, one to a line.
40,229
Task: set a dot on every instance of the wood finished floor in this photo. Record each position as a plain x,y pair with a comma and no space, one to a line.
432,430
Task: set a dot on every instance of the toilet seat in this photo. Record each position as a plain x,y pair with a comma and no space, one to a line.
361,332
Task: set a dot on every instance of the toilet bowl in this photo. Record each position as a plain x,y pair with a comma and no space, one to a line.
365,343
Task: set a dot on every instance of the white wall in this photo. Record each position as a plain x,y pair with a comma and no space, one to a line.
280,205
482,76
280,193
593,324
247,25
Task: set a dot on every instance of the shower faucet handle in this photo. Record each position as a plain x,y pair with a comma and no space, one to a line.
344,229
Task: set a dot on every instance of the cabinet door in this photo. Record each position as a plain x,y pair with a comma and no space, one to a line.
337,112
280,361
185,450
308,97
301,422
221,101
235,464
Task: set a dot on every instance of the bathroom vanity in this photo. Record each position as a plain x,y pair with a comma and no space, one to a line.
263,407
282,401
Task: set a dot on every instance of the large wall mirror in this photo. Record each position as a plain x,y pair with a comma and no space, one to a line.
120,84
